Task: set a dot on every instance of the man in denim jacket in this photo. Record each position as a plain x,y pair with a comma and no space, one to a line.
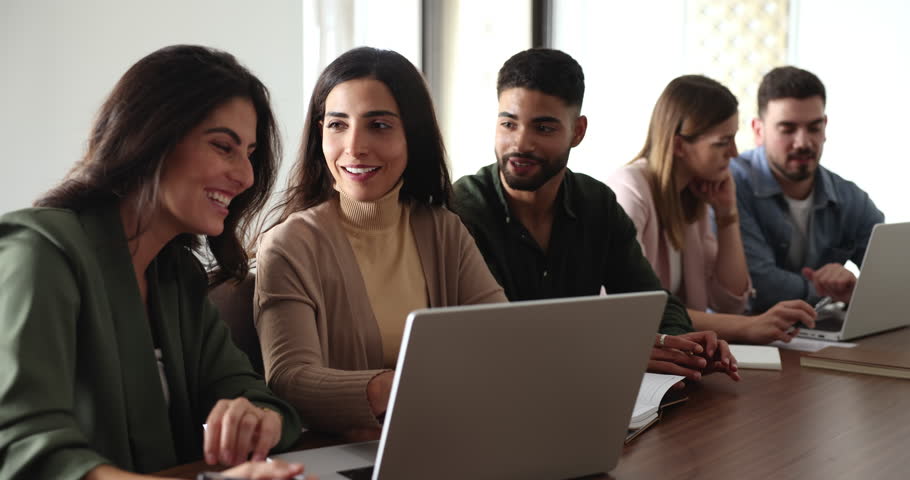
800,222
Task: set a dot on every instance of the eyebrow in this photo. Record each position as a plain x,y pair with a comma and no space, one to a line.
545,119
229,133
542,119
796,124
370,114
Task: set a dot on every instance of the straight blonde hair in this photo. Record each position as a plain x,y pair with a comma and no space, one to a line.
689,106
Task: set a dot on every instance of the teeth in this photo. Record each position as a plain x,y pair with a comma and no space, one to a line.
219,198
358,171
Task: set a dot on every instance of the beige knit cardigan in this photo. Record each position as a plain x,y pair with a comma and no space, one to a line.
320,341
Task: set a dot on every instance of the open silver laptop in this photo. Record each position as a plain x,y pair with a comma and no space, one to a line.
880,298
525,390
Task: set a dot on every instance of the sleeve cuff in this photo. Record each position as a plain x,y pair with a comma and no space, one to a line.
725,301
290,425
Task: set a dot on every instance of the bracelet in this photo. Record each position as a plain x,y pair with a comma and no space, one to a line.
727,220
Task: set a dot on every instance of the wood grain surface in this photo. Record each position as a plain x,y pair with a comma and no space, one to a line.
794,423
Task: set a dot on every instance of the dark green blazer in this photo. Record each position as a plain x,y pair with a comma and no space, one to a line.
79,382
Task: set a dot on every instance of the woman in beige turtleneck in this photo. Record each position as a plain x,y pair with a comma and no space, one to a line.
363,238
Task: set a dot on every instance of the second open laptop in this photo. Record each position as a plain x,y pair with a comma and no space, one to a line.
525,390
879,299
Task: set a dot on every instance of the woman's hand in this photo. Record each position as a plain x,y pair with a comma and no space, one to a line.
237,429
780,322
378,391
274,470
720,194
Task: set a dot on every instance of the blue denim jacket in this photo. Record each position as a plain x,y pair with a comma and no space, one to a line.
839,228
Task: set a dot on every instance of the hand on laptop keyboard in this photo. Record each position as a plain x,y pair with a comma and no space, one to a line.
272,470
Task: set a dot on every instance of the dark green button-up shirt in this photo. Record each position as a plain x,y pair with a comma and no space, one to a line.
592,244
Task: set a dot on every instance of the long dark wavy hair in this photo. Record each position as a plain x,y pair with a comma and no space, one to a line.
157,102
426,177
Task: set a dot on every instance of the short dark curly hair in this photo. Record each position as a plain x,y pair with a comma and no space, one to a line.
788,82
552,72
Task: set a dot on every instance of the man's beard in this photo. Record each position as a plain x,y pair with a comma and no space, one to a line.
548,170
803,172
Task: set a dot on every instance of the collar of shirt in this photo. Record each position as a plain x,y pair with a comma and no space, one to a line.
766,185
563,198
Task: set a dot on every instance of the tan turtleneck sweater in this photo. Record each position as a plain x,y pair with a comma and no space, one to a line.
382,240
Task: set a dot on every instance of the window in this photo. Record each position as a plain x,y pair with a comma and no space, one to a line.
476,38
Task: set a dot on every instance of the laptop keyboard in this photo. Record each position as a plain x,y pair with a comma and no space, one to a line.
829,326
830,320
363,473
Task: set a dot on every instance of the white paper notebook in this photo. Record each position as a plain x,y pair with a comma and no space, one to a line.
653,388
756,356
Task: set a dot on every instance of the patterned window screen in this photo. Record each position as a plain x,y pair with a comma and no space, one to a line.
736,42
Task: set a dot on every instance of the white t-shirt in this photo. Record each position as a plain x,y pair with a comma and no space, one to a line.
800,214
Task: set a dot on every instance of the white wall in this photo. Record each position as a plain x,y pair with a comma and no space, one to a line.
479,37
629,51
861,51
332,27
59,59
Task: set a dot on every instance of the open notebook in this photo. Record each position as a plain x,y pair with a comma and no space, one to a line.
652,395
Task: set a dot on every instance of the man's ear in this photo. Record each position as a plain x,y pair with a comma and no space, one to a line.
758,131
581,126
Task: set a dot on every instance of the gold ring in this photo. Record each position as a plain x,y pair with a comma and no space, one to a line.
662,339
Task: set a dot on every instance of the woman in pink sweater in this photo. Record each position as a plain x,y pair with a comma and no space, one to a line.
697,252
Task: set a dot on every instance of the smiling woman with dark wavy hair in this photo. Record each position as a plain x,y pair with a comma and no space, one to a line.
363,238
113,356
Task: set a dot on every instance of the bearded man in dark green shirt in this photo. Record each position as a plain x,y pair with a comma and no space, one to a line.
547,232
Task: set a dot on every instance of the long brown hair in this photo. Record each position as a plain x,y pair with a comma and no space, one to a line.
689,106
157,102
426,176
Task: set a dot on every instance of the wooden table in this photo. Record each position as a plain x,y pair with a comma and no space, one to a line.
795,423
